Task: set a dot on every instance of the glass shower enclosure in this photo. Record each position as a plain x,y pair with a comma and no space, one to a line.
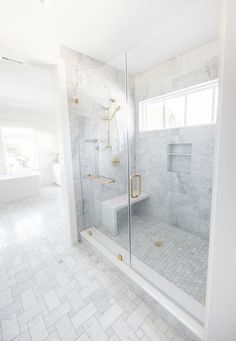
145,141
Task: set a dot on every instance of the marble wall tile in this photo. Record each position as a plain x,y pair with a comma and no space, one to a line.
181,199
95,83
177,198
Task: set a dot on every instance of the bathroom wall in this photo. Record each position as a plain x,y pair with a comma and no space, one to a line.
94,84
180,199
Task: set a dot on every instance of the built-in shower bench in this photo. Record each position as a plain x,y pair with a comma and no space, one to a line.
111,207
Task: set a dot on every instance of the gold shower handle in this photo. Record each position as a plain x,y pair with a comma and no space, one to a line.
132,193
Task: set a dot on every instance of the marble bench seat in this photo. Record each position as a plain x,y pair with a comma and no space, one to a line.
111,207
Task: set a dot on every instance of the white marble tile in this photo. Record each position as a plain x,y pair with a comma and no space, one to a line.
53,337
63,291
121,328
83,280
37,328
66,330
110,316
5,298
41,277
31,312
10,328
7,284
28,298
94,330
51,300
10,309
25,336
138,316
57,313
152,330
83,315
61,278
75,300
91,288
84,337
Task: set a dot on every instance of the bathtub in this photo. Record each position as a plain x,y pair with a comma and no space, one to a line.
18,185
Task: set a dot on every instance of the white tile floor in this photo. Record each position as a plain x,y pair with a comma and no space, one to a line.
50,290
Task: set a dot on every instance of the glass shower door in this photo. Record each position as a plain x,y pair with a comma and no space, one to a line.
173,107
102,142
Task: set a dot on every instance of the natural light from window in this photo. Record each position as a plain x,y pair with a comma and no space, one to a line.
189,107
17,149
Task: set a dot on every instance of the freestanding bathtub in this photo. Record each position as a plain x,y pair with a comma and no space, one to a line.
18,185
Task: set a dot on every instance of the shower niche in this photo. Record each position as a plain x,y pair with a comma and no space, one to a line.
179,157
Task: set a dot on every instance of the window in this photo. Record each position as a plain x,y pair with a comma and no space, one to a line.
174,112
189,107
154,118
17,149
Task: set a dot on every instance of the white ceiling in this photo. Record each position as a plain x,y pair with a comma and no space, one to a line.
104,29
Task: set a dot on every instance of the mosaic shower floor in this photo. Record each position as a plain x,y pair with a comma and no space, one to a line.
182,257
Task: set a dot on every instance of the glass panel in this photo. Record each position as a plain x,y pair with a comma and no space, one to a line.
99,123
175,112
170,219
111,199
200,107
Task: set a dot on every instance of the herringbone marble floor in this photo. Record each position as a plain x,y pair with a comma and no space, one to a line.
50,290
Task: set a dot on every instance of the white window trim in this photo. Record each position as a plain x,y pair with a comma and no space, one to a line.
184,92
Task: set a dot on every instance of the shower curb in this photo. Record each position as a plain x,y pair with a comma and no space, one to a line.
186,327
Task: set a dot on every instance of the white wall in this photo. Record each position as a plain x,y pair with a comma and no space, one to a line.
27,98
221,292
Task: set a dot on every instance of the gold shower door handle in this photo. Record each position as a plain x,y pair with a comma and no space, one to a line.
138,192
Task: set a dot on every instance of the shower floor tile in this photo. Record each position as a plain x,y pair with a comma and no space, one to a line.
182,257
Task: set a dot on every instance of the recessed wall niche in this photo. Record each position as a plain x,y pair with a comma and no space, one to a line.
179,156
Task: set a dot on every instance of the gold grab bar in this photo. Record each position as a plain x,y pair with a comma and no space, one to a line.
100,178
132,193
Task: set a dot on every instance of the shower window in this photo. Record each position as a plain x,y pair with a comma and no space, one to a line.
192,106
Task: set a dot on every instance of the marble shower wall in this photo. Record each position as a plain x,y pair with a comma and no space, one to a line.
94,83
180,199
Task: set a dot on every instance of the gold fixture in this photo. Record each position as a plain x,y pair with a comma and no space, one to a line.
75,100
119,257
132,193
158,243
112,111
90,233
115,161
100,178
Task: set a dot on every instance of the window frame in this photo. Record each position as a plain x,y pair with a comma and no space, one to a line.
143,105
